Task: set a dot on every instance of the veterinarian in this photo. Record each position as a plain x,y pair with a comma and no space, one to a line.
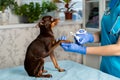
109,38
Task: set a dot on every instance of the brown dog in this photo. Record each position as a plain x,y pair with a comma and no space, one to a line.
42,47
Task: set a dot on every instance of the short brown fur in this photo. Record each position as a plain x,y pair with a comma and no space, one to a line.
42,47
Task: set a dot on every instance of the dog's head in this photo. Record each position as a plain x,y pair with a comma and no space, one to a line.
48,22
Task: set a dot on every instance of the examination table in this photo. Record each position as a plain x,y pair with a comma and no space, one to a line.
74,71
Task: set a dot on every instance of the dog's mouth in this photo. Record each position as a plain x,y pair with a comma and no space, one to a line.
54,22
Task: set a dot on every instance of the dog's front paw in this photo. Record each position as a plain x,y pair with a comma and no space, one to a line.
48,76
61,70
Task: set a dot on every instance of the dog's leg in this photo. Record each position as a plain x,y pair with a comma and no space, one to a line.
39,70
57,44
44,71
55,62
52,54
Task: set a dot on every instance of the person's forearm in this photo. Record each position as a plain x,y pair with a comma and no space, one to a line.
96,37
110,50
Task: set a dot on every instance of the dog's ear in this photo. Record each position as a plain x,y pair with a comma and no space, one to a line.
54,22
41,23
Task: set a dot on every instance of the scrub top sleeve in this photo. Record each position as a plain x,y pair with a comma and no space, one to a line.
116,27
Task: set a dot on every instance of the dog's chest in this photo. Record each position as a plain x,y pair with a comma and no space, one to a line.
49,40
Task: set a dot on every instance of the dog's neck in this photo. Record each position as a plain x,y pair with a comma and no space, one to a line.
46,33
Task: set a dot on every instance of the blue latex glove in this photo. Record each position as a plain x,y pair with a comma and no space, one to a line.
82,37
73,47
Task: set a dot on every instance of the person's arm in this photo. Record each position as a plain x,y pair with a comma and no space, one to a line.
96,37
109,50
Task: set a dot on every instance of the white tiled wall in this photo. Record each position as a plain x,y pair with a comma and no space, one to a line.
14,42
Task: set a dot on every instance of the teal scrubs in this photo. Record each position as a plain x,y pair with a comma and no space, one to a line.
110,25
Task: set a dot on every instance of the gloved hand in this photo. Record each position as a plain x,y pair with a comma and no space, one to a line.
73,47
82,37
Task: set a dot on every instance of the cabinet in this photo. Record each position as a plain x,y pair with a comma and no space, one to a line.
92,15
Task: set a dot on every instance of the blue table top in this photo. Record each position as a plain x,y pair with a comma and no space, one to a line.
74,71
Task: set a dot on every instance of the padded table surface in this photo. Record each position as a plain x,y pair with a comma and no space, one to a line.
74,71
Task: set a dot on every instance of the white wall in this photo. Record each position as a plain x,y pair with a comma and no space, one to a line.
14,42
